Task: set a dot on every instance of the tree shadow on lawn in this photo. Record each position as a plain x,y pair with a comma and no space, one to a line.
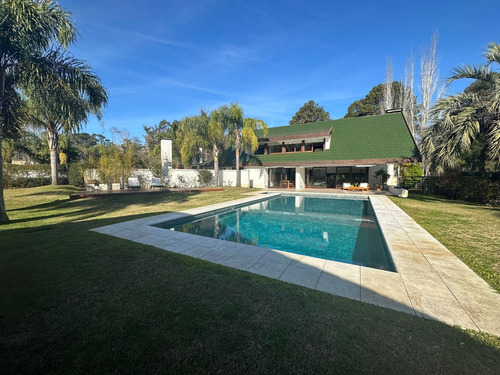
84,301
87,208
58,190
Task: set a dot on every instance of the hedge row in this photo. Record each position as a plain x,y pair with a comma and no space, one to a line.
22,176
456,185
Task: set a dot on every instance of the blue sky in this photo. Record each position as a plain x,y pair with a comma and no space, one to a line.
167,59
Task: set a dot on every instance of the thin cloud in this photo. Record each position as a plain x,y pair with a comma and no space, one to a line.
172,43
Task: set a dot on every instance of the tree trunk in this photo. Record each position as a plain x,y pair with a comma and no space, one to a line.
52,138
216,164
237,149
3,213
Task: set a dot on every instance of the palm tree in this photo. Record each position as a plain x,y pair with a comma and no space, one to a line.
469,120
217,135
193,131
28,30
242,131
64,100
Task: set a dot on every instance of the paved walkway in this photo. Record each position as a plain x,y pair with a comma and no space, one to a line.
430,281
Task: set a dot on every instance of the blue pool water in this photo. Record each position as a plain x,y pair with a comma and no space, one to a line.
343,230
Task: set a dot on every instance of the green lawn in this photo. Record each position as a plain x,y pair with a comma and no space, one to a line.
76,301
470,231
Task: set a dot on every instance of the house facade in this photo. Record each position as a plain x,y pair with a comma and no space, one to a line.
324,155
328,154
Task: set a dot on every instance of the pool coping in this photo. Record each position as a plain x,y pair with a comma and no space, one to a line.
430,281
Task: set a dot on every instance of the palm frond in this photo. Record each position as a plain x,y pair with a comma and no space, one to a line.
493,140
62,89
492,54
35,25
14,114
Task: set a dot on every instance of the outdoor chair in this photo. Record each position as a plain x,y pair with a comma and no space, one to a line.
346,186
156,183
133,183
363,186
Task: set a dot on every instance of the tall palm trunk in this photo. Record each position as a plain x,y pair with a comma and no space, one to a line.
237,147
3,213
52,138
215,154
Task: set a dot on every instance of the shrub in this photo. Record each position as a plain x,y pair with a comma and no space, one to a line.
75,175
382,176
412,175
205,178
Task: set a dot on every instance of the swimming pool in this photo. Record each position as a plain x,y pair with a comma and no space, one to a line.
343,230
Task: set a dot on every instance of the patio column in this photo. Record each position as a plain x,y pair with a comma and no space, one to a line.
300,178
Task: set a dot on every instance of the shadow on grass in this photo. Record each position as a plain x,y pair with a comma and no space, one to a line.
74,300
58,190
88,208
77,301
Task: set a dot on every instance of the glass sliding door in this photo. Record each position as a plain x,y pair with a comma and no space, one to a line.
343,175
359,175
281,177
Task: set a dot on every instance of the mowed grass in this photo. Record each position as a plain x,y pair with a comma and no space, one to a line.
76,301
470,231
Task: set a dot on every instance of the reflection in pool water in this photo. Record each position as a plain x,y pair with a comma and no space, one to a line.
343,230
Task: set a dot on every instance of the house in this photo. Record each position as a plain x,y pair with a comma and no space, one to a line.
326,154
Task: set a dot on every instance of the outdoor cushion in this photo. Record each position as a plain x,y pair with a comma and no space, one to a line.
133,182
156,182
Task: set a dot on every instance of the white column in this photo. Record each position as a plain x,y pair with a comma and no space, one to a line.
300,178
166,157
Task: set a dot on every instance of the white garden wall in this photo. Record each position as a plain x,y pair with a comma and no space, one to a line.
255,177
389,168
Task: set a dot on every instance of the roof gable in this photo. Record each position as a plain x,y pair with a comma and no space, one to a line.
369,139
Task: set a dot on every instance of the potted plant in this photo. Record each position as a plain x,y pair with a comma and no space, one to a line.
382,176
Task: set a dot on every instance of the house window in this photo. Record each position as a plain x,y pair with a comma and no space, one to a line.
260,150
318,146
293,147
275,149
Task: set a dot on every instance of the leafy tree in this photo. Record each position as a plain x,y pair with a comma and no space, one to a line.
28,146
78,147
163,130
411,173
468,123
373,102
28,31
310,112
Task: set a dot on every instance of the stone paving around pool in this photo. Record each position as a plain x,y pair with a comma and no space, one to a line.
430,281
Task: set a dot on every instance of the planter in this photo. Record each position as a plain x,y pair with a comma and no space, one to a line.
377,187
103,187
115,186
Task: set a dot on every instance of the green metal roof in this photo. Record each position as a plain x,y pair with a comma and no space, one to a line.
296,130
369,138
